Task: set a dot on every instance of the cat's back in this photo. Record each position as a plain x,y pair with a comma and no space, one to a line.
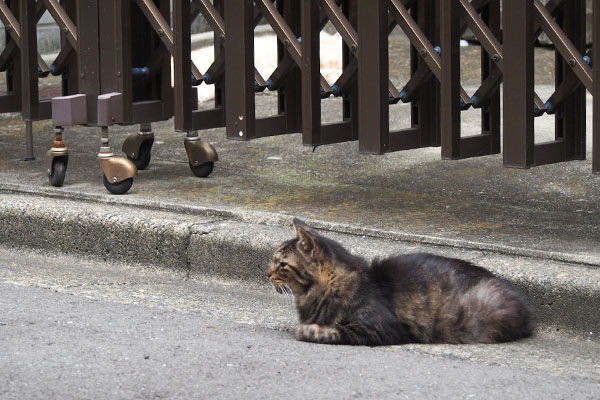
449,300
415,270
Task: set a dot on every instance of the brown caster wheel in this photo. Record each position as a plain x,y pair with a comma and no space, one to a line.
138,149
58,171
201,156
118,174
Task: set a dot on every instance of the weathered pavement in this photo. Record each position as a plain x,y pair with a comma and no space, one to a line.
73,328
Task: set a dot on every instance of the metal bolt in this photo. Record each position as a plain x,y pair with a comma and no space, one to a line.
114,179
161,32
132,155
82,75
65,30
423,53
8,28
222,38
241,117
241,133
496,57
354,48
196,163
572,62
118,73
286,43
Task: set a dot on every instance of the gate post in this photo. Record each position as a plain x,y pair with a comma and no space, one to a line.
518,83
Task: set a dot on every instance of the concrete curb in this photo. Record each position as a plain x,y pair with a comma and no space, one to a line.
234,246
261,217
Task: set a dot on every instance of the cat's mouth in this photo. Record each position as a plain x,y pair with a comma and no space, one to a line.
281,287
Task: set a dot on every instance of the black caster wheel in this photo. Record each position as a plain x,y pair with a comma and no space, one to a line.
204,170
119,187
144,155
59,170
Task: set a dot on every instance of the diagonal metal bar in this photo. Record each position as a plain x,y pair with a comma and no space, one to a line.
61,59
211,15
349,35
163,29
217,24
492,46
341,24
282,30
7,55
62,20
285,34
13,27
562,43
419,40
569,84
415,82
487,39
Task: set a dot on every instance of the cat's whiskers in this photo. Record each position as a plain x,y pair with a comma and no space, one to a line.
290,295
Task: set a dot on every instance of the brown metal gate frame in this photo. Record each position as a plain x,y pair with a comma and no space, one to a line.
573,75
23,65
116,69
376,20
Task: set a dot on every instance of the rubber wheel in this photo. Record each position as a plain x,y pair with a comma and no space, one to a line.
144,156
119,187
204,170
59,170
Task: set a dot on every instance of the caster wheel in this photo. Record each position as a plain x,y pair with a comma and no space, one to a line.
144,155
119,187
59,170
204,170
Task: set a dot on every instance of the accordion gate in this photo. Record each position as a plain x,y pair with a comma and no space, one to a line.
115,68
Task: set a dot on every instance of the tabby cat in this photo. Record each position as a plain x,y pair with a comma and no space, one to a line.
413,298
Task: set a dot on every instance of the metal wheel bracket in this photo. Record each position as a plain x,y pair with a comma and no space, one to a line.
117,169
133,143
200,152
54,153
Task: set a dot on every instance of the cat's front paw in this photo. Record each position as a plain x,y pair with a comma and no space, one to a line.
317,334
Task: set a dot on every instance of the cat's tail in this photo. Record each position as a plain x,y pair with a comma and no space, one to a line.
498,313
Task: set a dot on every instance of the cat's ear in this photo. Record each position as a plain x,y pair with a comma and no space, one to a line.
299,224
306,242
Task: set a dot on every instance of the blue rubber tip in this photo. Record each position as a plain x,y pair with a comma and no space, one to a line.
322,91
269,84
587,60
207,79
403,96
438,50
300,39
548,107
475,101
140,72
256,85
462,103
53,69
335,89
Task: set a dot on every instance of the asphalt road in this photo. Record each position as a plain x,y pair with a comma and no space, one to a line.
74,328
